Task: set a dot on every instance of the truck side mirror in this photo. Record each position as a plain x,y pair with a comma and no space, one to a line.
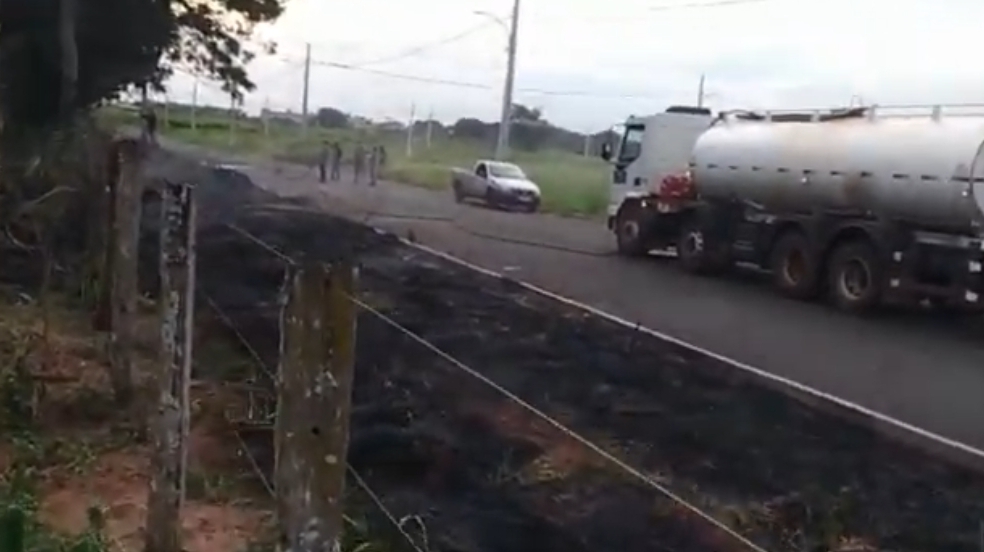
606,151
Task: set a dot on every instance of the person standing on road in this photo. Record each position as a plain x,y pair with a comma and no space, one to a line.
382,156
336,161
149,118
373,165
358,161
323,162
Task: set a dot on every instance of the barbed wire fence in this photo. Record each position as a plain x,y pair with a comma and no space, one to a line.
349,295
301,392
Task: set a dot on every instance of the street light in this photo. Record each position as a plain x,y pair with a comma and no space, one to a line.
502,143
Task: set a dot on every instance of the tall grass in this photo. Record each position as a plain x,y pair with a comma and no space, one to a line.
571,184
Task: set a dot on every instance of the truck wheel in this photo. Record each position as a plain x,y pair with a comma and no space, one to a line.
699,255
630,230
794,268
855,277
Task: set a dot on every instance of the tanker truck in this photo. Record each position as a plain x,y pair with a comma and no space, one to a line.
855,205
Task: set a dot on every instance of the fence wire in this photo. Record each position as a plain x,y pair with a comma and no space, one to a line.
254,463
637,474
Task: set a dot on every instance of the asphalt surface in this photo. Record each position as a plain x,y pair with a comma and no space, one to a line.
924,370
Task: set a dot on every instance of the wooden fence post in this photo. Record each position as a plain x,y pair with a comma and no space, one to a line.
123,292
313,405
170,423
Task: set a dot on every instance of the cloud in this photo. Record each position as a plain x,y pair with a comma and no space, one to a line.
629,56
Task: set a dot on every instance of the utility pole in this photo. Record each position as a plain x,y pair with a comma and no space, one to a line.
307,83
266,117
587,144
194,104
700,92
167,112
413,112
502,144
430,125
232,120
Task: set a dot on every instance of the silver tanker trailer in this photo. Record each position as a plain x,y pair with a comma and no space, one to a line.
856,204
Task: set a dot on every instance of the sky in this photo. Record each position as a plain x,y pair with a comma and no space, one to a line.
589,64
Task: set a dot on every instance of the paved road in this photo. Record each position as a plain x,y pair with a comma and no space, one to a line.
918,369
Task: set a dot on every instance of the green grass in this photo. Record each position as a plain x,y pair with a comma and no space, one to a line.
571,184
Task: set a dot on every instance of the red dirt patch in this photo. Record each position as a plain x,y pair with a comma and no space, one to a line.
75,405
118,483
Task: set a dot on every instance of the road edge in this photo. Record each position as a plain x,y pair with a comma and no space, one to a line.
881,424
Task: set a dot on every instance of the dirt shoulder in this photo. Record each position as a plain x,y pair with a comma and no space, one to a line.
77,463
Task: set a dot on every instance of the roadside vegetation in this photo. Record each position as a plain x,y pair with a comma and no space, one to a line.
572,184
74,453
75,468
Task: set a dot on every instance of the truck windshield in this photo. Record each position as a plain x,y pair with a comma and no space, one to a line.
505,170
631,146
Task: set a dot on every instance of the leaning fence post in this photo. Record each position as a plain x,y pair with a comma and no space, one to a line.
170,422
127,190
314,400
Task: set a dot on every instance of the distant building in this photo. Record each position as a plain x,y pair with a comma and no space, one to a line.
391,126
282,116
359,122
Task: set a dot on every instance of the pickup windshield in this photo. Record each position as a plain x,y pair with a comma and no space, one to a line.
506,170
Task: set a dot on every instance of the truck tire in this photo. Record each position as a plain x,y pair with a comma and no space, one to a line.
855,275
630,226
699,255
794,268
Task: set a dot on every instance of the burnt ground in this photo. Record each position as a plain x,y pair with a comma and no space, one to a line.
482,474
485,476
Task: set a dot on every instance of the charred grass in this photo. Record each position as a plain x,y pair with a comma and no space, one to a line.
484,474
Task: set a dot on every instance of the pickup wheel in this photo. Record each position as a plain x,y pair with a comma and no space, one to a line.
855,275
490,198
456,189
794,269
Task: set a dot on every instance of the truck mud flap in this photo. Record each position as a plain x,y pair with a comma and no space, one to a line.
966,289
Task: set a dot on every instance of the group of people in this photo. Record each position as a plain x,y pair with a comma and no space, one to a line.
363,161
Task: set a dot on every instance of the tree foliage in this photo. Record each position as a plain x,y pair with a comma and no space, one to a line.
330,117
470,127
531,131
121,43
521,112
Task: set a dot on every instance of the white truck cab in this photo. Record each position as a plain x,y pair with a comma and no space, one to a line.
650,149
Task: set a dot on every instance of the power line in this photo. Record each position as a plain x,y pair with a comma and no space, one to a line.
641,13
416,50
711,4
471,85
402,76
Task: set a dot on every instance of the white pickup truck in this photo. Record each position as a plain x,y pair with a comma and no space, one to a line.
498,184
